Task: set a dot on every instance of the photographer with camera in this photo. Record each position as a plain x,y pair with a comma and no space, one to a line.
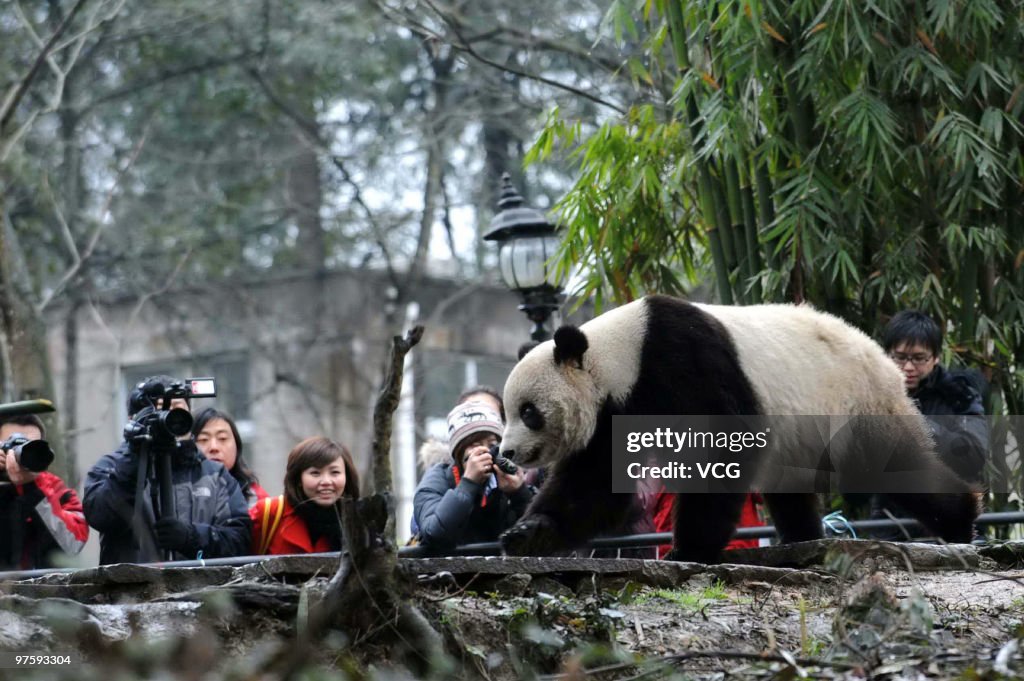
39,515
477,496
157,496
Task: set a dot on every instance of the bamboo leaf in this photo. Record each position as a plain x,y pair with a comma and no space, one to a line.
770,30
926,41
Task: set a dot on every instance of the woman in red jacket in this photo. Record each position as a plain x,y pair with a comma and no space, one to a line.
307,517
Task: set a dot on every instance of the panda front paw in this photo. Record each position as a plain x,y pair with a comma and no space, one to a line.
532,536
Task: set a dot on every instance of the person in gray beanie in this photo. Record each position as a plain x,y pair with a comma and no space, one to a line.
469,499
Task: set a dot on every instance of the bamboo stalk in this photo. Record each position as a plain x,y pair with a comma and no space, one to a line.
750,234
736,226
766,208
968,295
721,271
718,259
721,207
799,106
711,201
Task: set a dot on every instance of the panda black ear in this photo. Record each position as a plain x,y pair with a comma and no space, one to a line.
570,344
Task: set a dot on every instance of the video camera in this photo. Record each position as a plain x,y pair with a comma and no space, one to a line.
502,462
162,426
33,455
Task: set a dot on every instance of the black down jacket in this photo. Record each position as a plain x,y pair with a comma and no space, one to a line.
951,401
205,495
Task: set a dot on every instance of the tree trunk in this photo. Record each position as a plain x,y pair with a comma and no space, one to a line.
70,406
73,193
7,315
305,195
497,142
435,139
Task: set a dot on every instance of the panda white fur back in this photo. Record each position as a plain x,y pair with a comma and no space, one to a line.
802,361
660,355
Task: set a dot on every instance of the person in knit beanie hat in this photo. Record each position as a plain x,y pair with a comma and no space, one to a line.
472,423
469,499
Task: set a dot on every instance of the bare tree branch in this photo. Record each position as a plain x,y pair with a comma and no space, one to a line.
160,78
80,258
378,232
27,25
383,410
306,125
463,45
11,102
521,38
311,132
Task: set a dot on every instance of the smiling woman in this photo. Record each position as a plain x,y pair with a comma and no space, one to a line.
306,518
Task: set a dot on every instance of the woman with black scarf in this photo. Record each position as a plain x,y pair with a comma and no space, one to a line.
307,517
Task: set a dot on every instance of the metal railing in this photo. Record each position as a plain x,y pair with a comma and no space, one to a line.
494,548
657,538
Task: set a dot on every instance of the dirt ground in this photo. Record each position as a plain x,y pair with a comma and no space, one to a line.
881,620
831,609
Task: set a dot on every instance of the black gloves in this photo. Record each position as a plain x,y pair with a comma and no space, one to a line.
176,535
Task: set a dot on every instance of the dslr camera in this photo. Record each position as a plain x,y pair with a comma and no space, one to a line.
504,463
33,455
156,424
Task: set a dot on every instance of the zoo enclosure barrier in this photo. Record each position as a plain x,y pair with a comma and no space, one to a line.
493,548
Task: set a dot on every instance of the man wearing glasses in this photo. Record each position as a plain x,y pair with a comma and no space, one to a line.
950,400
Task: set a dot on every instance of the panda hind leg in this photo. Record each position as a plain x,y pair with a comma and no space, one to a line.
795,516
702,525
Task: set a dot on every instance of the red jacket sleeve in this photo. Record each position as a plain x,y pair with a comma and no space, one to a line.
256,515
61,513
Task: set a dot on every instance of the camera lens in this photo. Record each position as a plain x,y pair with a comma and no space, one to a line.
502,462
35,455
177,422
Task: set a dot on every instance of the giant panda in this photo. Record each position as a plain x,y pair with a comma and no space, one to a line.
662,355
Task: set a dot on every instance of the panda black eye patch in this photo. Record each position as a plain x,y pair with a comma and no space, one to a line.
531,416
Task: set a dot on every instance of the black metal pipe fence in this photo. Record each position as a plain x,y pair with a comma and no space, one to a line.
633,541
768,531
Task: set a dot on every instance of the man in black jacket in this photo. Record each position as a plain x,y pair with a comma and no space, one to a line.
469,499
210,518
950,400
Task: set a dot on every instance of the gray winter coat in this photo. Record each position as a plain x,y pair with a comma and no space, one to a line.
205,496
448,514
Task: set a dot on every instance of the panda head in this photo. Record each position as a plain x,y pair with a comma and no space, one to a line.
552,401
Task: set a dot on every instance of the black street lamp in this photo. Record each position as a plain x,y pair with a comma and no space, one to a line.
526,241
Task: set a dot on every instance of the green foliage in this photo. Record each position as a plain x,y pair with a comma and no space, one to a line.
687,599
864,157
626,186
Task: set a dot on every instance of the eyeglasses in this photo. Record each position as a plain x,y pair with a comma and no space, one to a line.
916,360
